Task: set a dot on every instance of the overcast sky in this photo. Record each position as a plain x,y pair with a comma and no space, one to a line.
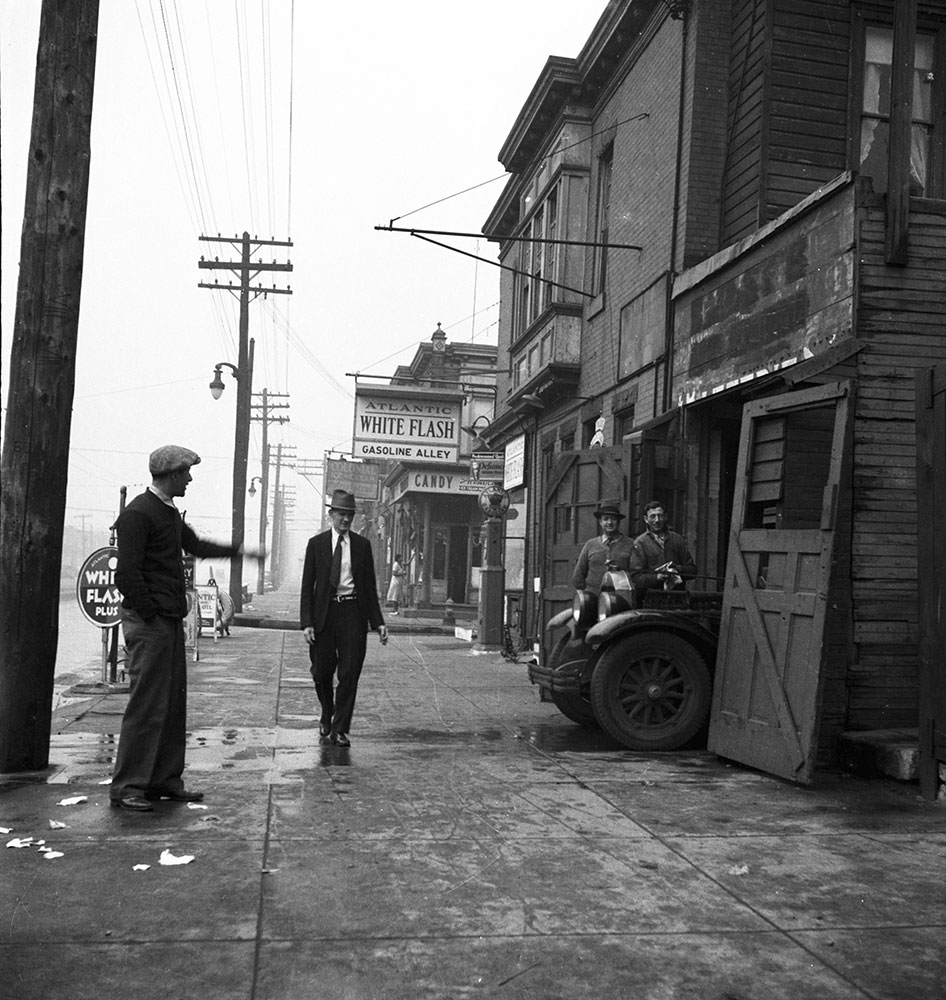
393,106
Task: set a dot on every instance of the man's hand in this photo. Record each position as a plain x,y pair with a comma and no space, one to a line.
309,634
259,552
383,634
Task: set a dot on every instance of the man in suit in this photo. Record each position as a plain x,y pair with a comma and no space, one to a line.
339,603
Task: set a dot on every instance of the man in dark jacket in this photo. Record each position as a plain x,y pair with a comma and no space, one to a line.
339,603
150,575
660,558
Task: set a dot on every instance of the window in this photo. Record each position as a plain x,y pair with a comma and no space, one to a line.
642,329
602,220
538,261
623,424
875,109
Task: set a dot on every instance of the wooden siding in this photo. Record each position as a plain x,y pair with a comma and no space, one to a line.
901,322
742,175
807,120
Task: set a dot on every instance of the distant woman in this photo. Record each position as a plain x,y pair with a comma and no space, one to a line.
394,589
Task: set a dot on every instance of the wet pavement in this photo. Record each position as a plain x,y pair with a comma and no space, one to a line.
471,843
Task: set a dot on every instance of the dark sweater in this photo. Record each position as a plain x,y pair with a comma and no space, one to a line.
150,574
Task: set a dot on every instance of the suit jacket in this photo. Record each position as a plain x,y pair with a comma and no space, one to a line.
317,591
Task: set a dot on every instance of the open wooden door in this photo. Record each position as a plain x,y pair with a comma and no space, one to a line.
766,693
578,480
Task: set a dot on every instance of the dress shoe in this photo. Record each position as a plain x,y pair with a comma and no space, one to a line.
325,729
341,739
182,795
136,803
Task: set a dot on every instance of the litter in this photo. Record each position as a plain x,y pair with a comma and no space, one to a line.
49,855
54,824
74,801
167,858
140,868
196,805
18,842
739,870
6,829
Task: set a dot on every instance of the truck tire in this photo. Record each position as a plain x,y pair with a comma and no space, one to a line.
572,706
651,691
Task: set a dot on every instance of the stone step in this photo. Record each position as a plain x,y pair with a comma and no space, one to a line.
890,752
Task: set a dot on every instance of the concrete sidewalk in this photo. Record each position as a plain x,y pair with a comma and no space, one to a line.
471,843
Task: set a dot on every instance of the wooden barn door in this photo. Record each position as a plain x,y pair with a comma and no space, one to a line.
579,479
766,692
931,542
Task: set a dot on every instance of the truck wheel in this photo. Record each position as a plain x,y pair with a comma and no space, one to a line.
572,706
651,691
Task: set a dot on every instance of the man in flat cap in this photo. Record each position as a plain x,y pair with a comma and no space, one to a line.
150,575
338,604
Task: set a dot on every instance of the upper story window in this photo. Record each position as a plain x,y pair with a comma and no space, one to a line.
875,109
602,220
538,261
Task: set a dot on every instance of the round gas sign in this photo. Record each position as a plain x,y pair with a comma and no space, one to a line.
99,598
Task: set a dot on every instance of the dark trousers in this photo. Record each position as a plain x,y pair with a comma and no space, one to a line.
153,734
340,646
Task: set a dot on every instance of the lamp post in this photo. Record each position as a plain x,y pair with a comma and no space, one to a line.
263,503
243,373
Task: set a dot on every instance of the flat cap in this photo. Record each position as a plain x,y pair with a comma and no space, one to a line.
171,457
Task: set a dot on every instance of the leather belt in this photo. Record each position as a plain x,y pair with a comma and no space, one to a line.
338,598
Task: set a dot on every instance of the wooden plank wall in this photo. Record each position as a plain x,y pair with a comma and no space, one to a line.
742,177
807,120
901,322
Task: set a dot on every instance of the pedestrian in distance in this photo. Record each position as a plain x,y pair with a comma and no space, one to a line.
660,558
396,585
338,605
151,535
609,550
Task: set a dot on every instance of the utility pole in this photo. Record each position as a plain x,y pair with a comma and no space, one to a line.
35,456
246,270
275,567
265,407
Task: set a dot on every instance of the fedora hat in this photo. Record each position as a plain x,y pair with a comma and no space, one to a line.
342,500
612,507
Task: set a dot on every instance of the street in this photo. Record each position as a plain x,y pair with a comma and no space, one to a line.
472,843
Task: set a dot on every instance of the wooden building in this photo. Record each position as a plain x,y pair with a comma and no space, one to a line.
763,187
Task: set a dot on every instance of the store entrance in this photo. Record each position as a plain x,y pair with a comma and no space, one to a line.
450,563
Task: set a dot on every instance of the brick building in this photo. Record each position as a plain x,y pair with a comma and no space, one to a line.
725,230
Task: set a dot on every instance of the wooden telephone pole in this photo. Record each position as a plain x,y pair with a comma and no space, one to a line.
265,407
35,456
246,270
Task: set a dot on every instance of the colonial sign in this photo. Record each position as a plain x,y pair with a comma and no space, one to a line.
99,598
407,424
361,478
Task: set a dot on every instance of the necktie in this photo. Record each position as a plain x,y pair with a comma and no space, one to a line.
336,575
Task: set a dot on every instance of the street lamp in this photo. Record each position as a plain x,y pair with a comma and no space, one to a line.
243,373
217,386
253,482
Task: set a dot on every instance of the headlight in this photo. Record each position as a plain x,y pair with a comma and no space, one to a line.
583,608
610,603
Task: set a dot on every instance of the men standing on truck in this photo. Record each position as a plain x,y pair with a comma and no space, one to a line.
610,549
660,558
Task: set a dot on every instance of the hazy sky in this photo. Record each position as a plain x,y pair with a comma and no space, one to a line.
393,106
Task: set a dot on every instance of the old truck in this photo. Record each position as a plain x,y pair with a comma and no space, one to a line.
638,666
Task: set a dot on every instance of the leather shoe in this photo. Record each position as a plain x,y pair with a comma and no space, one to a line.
341,739
136,803
325,729
183,795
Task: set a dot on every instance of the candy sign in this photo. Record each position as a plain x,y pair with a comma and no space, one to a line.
99,598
